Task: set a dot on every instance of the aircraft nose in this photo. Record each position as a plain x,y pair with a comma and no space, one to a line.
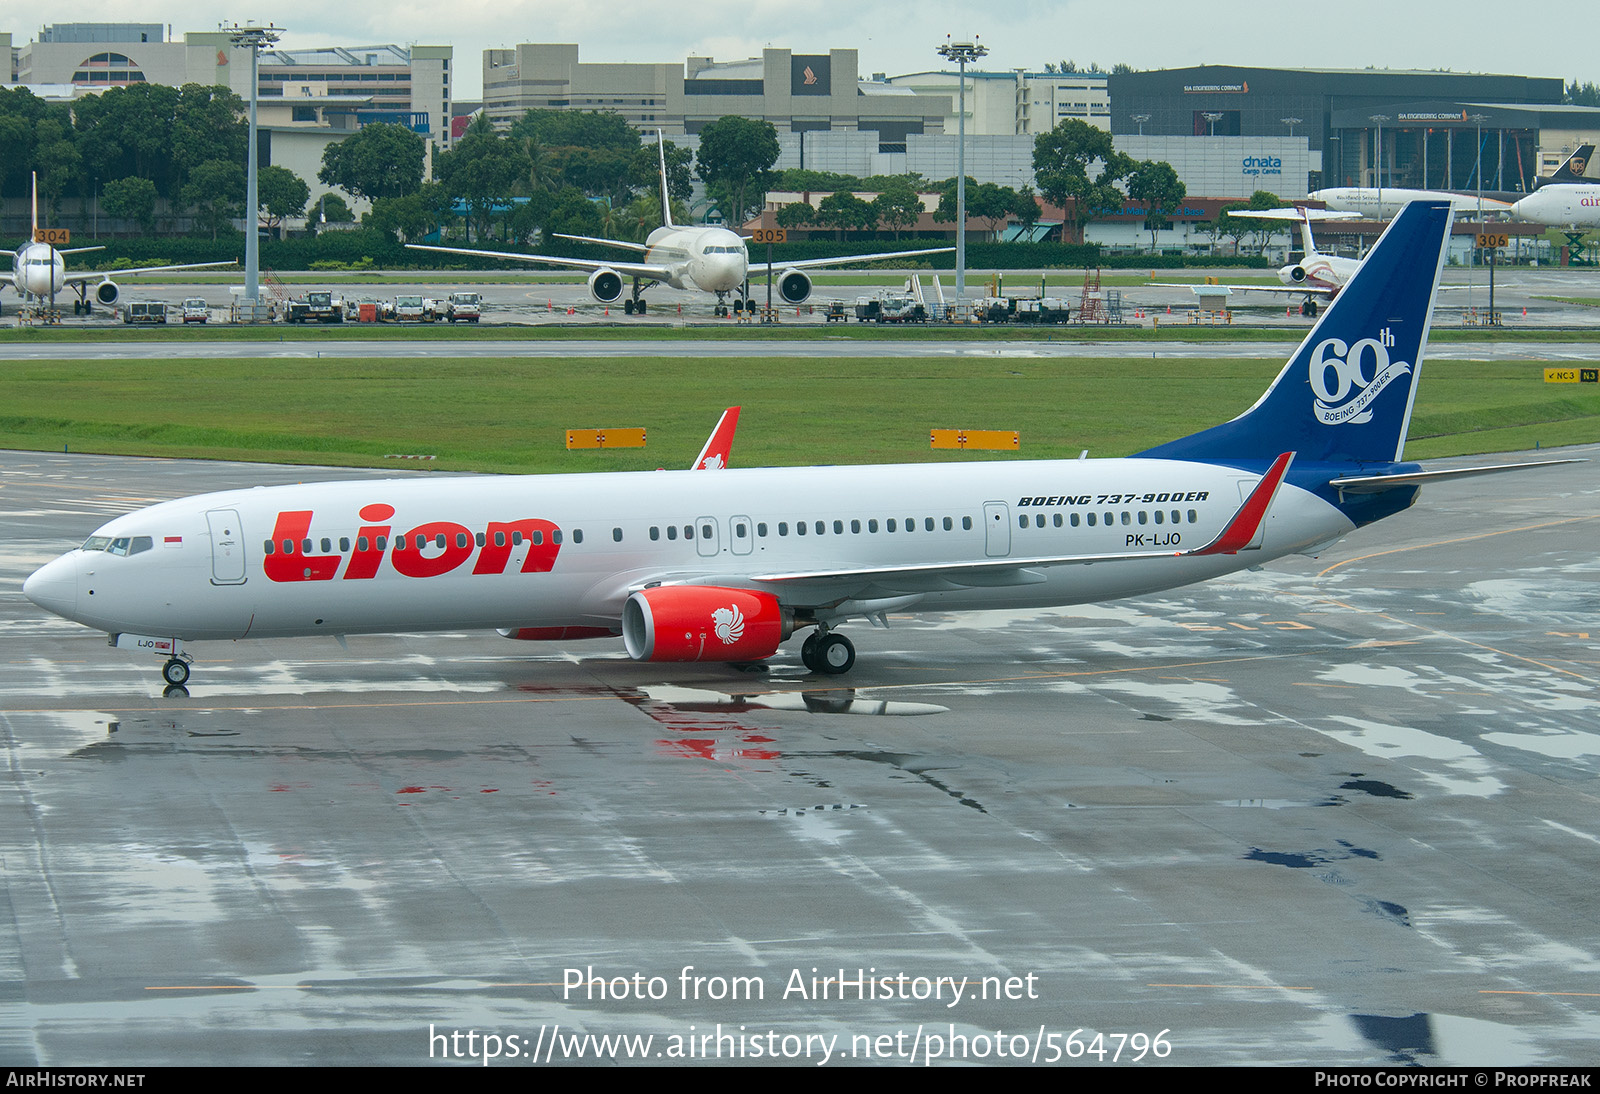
54,586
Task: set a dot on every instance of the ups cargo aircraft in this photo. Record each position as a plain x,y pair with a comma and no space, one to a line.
690,566
39,271
700,256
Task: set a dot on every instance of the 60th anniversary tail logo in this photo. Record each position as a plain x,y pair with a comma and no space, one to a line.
1348,399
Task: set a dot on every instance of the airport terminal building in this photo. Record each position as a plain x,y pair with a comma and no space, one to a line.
1433,126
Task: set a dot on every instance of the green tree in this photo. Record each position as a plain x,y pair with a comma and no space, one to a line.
844,211
1585,94
898,207
796,214
57,161
413,216
332,209
596,151
207,124
485,170
1077,168
133,199
20,114
282,194
378,161
1157,185
986,201
735,162
645,174
1264,230
215,191
128,132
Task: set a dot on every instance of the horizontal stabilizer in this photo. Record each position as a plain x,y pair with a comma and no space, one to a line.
1377,484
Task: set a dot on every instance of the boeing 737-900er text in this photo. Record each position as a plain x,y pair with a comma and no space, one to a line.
705,257
690,566
39,271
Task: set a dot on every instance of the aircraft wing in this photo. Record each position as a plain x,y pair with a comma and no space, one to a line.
630,269
1289,290
760,269
624,244
101,275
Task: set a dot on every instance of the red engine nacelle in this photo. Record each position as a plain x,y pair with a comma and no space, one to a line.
703,623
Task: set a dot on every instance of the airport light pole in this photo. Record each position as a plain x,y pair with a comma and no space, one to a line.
1141,119
1380,119
1291,123
252,38
1212,117
962,53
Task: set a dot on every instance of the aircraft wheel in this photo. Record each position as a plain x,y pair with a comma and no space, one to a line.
175,672
1309,309
627,307
835,654
88,307
641,308
808,651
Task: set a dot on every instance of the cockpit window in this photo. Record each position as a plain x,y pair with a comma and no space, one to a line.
96,543
129,545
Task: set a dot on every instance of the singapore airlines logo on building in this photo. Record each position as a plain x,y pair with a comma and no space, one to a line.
1349,396
729,624
811,77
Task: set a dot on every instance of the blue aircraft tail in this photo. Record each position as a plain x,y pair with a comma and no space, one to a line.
1346,394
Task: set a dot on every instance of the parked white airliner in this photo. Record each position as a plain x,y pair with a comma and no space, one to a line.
688,566
1383,203
701,256
39,271
1315,275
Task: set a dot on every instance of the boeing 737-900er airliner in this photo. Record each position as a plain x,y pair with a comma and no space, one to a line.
691,566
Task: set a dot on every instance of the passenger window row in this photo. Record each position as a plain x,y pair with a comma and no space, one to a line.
417,542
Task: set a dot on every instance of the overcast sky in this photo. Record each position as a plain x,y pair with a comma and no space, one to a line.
1464,36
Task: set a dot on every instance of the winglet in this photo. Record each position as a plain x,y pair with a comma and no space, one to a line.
1245,526
714,455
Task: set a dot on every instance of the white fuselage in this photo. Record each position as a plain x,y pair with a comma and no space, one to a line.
39,270
566,550
1385,204
1319,271
711,259
1561,204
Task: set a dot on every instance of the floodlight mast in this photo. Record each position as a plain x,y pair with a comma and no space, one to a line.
962,53
252,38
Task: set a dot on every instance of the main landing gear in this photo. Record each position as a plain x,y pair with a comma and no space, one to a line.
635,304
828,653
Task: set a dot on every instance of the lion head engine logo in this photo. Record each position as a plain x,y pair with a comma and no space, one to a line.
729,624
1339,376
